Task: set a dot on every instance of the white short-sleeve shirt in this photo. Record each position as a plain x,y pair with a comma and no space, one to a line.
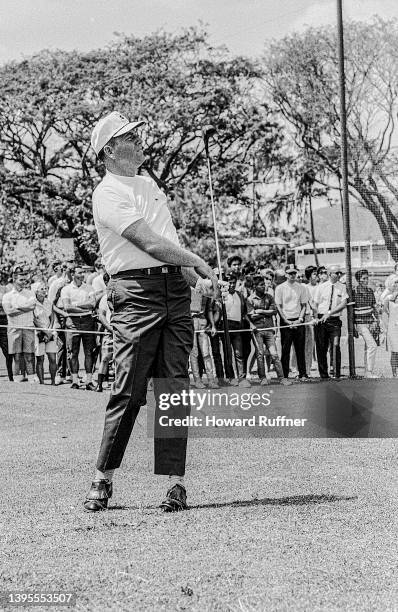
77,295
14,299
119,201
291,297
233,307
328,296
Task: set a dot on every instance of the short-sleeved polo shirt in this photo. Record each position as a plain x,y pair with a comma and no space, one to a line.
291,297
118,202
77,295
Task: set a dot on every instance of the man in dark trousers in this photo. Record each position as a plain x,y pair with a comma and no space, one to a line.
291,299
149,295
330,299
235,307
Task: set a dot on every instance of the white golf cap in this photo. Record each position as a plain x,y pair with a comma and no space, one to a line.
114,124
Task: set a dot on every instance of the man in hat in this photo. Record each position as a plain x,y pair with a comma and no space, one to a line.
149,295
330,299
291,299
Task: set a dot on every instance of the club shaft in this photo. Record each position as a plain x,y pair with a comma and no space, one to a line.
213,210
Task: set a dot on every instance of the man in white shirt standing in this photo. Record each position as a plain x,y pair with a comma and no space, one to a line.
19,304
78,301
235,307
150,301
291,299
330,299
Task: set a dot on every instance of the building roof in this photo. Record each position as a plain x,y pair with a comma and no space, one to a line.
256,241
331,245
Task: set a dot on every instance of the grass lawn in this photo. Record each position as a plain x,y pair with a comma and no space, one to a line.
274,524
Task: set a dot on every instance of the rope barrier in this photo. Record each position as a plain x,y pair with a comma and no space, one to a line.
55,329
199,331
99,333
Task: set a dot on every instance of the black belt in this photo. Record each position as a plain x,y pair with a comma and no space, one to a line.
148,271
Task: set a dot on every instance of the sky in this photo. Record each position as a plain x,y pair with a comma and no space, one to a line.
27,26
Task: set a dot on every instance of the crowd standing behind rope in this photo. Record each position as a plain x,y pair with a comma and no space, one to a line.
282,322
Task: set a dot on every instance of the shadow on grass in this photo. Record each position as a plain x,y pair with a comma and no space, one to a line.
295,500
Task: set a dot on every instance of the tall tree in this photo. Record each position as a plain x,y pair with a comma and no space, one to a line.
301,78
177,83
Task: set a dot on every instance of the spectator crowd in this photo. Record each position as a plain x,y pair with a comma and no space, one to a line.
283,323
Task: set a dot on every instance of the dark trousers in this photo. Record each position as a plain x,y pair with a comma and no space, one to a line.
237,345
327,336
295,336
78,325
153,336
62,356
217,358
4,346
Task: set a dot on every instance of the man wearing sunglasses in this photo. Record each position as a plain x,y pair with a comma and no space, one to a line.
149,296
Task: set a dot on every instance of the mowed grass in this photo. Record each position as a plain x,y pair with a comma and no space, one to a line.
274,524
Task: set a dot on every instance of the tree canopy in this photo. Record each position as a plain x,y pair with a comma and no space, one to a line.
277,123
301,78
177,83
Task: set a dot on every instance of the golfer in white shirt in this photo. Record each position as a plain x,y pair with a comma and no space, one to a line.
149,296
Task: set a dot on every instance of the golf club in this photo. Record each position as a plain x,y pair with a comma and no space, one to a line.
207,132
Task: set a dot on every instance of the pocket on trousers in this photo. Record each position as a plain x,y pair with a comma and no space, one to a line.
135,296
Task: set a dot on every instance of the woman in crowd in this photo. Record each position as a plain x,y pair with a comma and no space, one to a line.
46,343
391,310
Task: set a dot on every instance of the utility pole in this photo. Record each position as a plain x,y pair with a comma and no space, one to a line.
344,173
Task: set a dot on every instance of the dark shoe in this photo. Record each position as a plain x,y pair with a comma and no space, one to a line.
98,495
176,499
74,386
99,389
90,387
